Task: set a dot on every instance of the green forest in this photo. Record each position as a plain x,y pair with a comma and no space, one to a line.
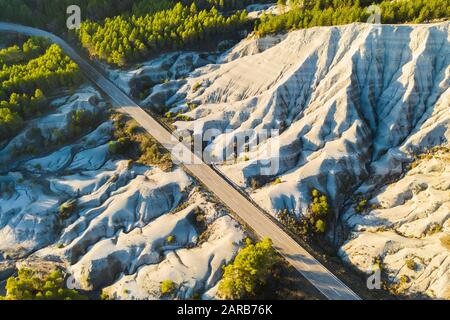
122,32
129,31
28,73
121,40
51,14
307,14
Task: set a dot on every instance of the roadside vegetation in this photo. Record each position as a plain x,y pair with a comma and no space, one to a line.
249,271
131,140
315,222
307,14
33,285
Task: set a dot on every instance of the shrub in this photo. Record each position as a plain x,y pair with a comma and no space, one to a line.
80,121
314,221
182,117
119,147
319,212
196,296
249,270
378,263
10,123
404,279
167,287
169,115
196,86
192,106
362,206
410,264
320,226
319,208
30,285
104,296
66,209
277,181
299,227
315,193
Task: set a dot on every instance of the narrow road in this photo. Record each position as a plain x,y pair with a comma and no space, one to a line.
324,280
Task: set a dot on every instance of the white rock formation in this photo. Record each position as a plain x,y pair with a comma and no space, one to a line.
123,218
407,230
354,104
351,102
193,271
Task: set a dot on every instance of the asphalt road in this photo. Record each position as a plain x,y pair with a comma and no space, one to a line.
324,280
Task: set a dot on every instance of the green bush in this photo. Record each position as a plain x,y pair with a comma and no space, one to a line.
171,239
300,227
361,206
319,207
120,147
10,123
314,221
169,115
249,270
104,296
320,226
30,285
192,106
66,209
79,122
167,287
182,117
277,181
410,264
196,86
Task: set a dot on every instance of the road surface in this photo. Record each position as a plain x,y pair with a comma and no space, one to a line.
324,280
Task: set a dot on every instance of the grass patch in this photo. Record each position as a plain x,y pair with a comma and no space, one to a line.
133,141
